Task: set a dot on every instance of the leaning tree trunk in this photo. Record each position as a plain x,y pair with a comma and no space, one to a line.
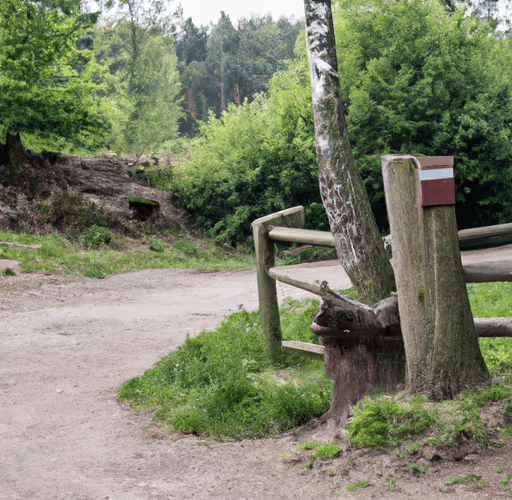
351,365
358,243
441,345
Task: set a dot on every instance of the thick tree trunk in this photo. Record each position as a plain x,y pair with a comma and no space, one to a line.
443,355
352,223
363,349
11,154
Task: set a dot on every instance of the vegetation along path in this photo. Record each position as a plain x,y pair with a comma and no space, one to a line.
66,347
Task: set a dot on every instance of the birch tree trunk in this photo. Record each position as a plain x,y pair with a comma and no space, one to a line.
355,367
358,243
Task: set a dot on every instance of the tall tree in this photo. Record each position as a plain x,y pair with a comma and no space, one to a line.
191,50
353,226
440,343
138,69
221,61
40,87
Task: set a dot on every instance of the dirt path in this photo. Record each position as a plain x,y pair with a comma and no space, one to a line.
65,348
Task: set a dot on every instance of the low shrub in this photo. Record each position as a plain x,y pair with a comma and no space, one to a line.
97,237
70,213
156,245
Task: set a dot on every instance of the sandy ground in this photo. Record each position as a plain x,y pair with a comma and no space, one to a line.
66,347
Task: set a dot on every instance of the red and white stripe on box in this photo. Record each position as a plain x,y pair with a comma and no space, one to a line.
436,179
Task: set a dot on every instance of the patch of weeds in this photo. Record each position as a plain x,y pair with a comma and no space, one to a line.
70,212
417,468
505,484
392,482
190,249
97,237
156,245
499,471
358,485
482,485
383,422
409,448
323,452
330,472
7,272
470,478
296,319
309,446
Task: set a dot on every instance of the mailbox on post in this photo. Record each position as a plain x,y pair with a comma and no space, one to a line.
436,179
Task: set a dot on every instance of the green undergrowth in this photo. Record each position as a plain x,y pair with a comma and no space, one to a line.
100,252
322,452
408,424
222,384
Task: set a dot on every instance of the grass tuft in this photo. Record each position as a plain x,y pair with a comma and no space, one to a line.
358,485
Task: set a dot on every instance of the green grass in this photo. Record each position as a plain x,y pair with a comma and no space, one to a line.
470,478
222,384
102,253
358,485
410,423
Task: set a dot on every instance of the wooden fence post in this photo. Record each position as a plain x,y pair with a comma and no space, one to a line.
443,356
265,259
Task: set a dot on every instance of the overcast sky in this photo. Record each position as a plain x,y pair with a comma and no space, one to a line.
204,11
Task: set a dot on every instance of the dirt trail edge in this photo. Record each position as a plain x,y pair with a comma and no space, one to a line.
65,348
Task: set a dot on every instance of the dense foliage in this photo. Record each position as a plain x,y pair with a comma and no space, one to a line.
44,83
228,64
136,67
256,159
415,78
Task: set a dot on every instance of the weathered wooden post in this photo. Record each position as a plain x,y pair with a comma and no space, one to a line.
441,346
265,259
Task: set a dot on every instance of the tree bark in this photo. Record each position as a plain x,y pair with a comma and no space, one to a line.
443,355
357,239
11,154
349,321
358,243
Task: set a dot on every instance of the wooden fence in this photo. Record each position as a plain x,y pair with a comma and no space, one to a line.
287,226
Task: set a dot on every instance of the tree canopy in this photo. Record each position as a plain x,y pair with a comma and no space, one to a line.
415,78
418,80
43,84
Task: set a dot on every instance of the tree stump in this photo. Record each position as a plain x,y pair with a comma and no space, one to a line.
443,355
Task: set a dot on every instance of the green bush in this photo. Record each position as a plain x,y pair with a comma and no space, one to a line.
384,422
256,159
97,237
69,212
156,245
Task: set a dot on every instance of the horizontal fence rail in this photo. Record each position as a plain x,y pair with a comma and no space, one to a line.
287,226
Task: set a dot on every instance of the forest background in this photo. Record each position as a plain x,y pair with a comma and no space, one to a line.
227,108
